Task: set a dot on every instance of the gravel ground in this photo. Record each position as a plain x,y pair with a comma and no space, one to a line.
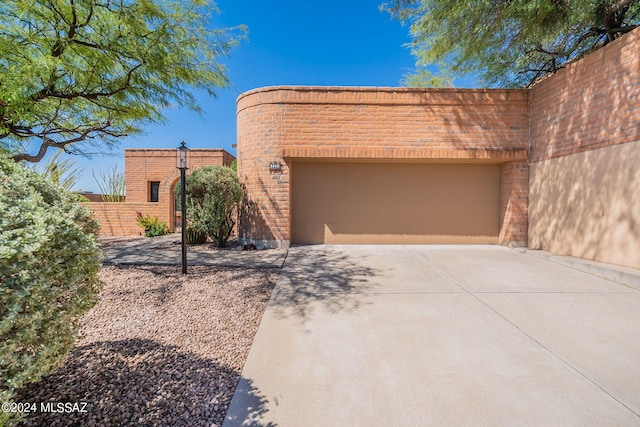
159,348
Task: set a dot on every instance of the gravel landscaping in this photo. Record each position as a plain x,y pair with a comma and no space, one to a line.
159,348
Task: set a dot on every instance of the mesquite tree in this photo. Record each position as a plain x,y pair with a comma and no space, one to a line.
79,74
511,43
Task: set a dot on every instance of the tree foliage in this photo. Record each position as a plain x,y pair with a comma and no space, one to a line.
79,74
424,77
511,43
49,262
61,172
213,194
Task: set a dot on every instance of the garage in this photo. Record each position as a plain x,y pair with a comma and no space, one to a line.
395,203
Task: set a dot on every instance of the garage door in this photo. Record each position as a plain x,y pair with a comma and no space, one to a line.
395,203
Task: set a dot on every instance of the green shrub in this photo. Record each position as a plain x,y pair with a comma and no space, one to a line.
49,261
151,225
213,194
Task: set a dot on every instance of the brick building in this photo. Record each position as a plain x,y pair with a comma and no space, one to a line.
151,176
554,167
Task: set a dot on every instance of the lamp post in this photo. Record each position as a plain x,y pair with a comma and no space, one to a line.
181,163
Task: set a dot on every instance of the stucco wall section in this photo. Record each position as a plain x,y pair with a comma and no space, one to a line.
280,124
588,205
585,143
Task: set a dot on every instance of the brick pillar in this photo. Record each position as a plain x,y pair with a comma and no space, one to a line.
514,203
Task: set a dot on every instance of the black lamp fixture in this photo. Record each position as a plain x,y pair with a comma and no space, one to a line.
181,163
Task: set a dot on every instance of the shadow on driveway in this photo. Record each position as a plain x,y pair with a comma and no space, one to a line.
313,275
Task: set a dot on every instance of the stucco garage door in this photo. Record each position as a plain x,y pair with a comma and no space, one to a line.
391,203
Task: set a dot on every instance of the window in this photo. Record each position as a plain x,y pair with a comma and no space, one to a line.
154,189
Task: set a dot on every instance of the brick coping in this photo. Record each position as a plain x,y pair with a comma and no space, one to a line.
373,95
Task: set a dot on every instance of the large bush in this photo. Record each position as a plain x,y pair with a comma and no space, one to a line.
213,194
49,262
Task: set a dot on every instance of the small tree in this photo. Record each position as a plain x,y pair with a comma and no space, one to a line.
213,194
49,262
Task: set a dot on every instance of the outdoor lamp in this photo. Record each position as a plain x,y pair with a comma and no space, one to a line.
181,163
181,156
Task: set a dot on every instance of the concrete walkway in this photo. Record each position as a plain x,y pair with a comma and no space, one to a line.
442,336
167,250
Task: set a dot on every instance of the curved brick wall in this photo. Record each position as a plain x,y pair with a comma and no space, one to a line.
281,124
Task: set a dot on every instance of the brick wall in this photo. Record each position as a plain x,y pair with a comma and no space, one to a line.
514,200
593,103
585,149
141,167
119,219
282,124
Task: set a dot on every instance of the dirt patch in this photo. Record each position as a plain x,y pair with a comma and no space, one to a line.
159,348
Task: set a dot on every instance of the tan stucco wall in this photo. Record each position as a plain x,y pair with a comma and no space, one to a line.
588,205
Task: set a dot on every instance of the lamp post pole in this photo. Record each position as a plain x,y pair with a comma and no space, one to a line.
182,165
183,219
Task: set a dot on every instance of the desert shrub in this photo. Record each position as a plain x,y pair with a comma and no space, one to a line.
49,261
213,194
151,225
195,237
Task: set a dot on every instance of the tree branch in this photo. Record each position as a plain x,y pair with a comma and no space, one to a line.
46,142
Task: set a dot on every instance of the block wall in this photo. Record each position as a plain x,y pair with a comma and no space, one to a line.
585,149
119,219
592,103
141,167
281,124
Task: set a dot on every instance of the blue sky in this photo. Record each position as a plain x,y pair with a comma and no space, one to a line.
328,43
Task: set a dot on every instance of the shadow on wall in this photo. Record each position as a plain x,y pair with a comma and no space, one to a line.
590,104
137,382
251,221
252,216
487,124
315,277
587,205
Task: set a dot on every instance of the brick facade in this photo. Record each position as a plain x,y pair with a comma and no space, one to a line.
591,104
514,201
284,124
585,151
119,219
143,166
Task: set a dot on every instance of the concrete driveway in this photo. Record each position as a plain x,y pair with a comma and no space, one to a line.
444,336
